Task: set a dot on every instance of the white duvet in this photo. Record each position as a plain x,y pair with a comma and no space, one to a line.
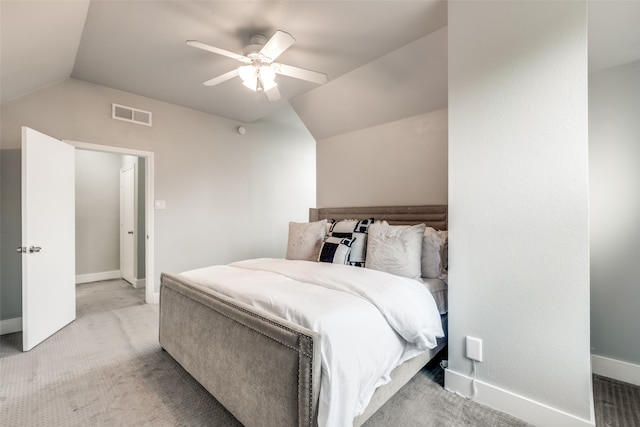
369,321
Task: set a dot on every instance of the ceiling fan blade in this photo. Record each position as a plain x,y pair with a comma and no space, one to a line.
273,94
301,73
219,51
221,78
277,44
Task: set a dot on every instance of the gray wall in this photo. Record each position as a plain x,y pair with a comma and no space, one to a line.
518,203
97,212
403,162
141,256
10,230
614,167
229,196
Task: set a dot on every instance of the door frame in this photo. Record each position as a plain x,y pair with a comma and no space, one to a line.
150,294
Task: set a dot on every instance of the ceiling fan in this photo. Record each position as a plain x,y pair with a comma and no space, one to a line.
259,70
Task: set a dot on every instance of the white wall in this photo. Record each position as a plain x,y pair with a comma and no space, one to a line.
518,203
228,196
97,212
403,162
614,167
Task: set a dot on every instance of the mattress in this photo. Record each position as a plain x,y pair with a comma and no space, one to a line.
439,290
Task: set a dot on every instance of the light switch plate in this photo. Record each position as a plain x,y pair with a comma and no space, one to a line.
474,349
160,204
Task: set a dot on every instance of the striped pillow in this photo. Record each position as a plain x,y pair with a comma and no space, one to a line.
357,229
335,250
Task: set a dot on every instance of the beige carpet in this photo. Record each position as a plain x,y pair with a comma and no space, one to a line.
107,369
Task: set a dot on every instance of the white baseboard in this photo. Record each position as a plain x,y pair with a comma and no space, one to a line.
616,369
139,283
9,326
156,298
518,406
96,277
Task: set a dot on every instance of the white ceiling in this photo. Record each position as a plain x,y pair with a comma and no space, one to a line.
139,46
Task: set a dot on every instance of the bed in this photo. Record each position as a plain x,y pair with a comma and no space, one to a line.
266,369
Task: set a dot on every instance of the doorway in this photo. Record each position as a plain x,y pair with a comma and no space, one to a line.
146,236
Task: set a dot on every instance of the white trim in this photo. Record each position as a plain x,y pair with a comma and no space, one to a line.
150,295
97,277
616,369
518,406
139,283
9,326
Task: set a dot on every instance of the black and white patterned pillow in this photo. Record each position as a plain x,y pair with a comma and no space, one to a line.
353,228
335,250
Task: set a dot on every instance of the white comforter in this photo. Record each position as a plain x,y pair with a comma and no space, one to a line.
369,321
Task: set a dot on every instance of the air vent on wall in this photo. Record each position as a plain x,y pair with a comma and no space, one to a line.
129,114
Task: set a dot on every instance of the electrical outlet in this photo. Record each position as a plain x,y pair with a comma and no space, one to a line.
474,349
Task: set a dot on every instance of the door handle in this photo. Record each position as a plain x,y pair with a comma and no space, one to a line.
129,232
33,249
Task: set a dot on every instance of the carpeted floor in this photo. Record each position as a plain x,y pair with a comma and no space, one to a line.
107,369
617,404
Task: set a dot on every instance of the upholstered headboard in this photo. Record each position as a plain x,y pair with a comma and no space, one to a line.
435,216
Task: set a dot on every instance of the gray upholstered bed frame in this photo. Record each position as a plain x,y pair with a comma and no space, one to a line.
263,369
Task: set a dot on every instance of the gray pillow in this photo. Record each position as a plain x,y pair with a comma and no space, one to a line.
305,239
432,251
395,249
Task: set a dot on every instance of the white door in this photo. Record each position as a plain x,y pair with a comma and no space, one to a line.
127,224
48,237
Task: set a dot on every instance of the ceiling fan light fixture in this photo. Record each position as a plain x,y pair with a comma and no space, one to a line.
258,77
267,74
249,76
268,85
253,85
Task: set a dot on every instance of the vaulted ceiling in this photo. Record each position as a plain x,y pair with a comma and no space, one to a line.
139,47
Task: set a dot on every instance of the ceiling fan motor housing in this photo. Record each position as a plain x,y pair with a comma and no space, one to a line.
256,43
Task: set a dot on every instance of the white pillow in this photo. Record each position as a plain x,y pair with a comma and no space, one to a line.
305,239
395,249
